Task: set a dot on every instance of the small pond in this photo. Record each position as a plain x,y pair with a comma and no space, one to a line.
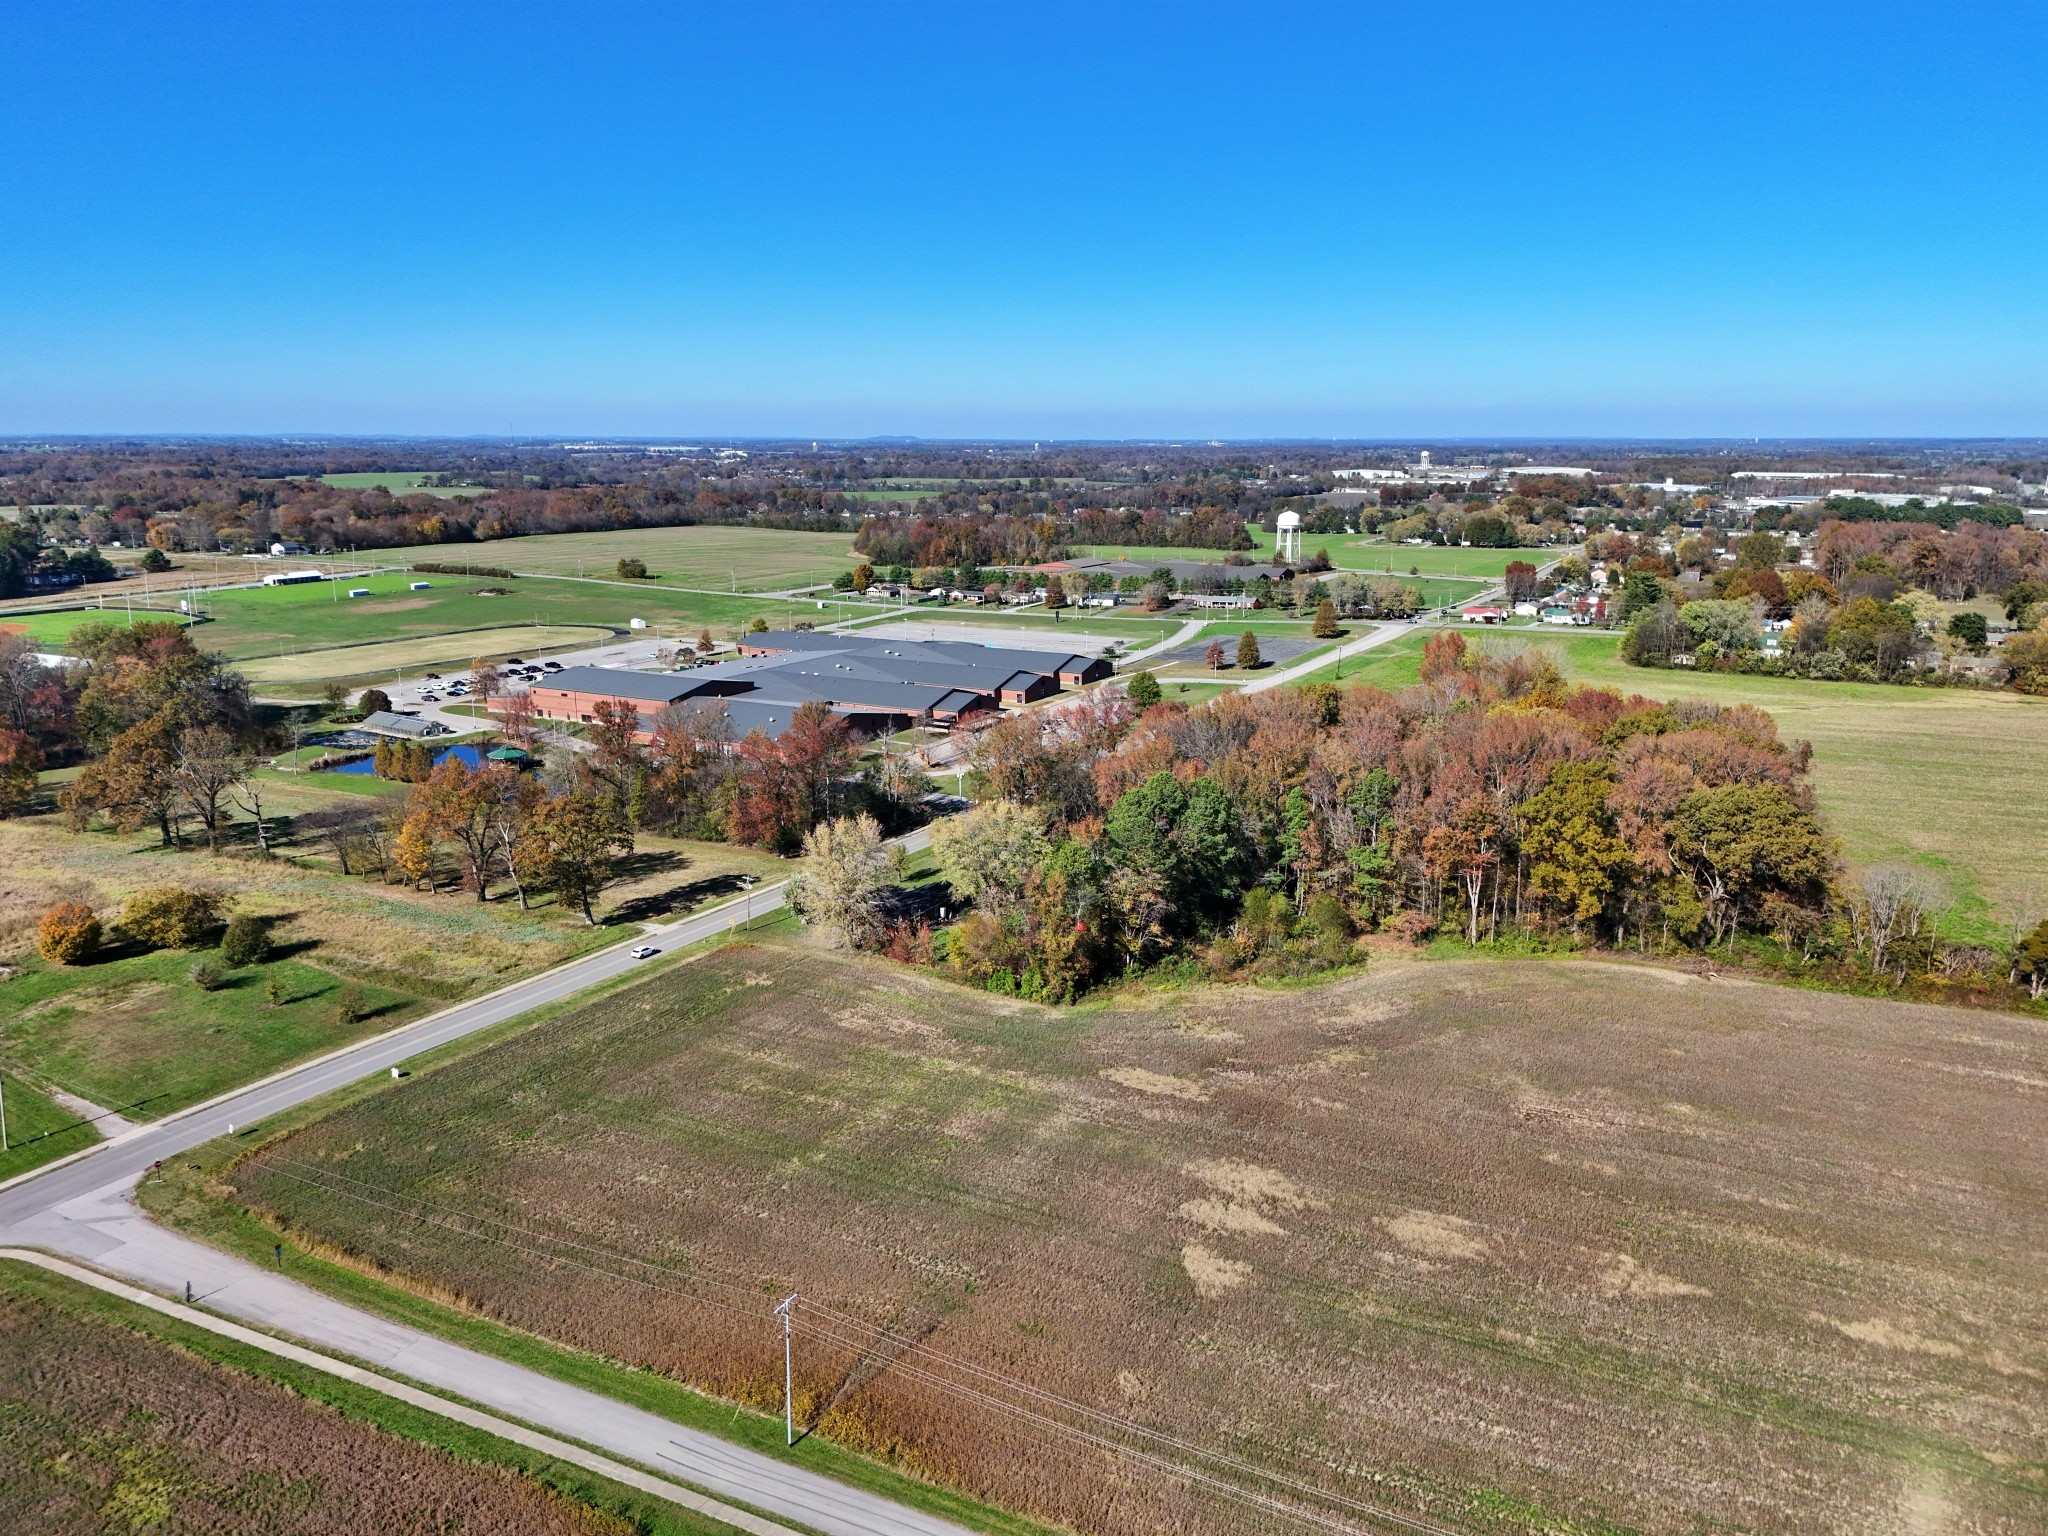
470,757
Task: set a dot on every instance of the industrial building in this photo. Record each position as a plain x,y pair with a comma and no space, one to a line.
875,686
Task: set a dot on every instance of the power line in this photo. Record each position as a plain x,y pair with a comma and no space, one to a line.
835,1330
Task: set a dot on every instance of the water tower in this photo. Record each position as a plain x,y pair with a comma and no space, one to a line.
1289,526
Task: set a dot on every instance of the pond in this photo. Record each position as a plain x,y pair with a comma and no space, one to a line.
471,757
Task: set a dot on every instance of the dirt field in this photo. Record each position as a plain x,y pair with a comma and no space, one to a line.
376,659
103,1430
1522,1246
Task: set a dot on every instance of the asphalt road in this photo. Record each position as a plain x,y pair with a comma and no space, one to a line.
83,1208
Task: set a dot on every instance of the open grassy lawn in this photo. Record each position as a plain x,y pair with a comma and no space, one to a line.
279,622
134,1034
39,1130
1523,1246
1946,779
54,627
1360,552
756,559
399,483
114,1418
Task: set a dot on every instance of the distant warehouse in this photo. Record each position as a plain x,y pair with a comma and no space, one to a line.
875,686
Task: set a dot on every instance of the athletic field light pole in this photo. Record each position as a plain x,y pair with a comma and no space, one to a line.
787,1312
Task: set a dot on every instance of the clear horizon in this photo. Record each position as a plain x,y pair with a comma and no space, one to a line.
1085,224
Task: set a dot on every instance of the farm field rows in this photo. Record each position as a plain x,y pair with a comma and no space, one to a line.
715,558
117,1420
1945,779
1526,1246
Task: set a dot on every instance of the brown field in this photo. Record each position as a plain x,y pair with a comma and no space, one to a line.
103,1430
1519,1246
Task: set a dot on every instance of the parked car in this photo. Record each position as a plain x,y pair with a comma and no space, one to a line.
430,698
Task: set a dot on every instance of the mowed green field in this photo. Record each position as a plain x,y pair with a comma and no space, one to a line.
714,559
1949,780
399,483
54,628
1360,552
250,622
1529,1247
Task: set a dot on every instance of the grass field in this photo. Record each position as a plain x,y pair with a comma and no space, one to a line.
1525,1246
38,1130
718,559
246,624
399,483
54,628
135,1035
1362,552
118,1420
1945,779
381,658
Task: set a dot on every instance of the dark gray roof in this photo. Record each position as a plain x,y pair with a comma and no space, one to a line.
618,683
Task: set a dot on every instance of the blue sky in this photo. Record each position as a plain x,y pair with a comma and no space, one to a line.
1026,220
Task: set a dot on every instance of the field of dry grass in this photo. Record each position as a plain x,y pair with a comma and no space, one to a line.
103,1430
1522,1246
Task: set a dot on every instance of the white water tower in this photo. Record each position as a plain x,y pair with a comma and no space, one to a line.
1289,526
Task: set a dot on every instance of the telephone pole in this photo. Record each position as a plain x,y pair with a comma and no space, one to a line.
787,1312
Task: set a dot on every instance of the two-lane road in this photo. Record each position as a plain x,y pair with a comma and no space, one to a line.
83,1209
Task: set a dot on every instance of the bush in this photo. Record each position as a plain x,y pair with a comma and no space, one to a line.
68,933
208,976
349,1008
276,990
154,560
246,941
442,568
1142,690
169,917
631,569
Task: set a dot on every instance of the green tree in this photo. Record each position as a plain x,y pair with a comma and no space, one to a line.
1575,857
1073,936
372,700
1874,634
988,854
2030,960
1742,843
1248,651
1971,629
1176,851
154,561
1142,690
631,569
246,941
1640,593
276,990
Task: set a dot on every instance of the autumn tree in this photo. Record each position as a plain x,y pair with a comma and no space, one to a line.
988,854
1248,658
1574,854
207,767
68,933
1325,626
1739,843
572,844
841,885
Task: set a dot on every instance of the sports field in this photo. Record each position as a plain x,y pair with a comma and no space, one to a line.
1948,780
54,628
251,622
711,559
379,658
1525,1247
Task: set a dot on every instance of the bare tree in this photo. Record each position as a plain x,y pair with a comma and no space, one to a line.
208,767
1888,911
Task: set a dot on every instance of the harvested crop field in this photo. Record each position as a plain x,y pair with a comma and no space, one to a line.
105,1430
379,657
1520,1246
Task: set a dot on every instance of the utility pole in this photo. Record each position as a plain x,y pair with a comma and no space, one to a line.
787,1312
